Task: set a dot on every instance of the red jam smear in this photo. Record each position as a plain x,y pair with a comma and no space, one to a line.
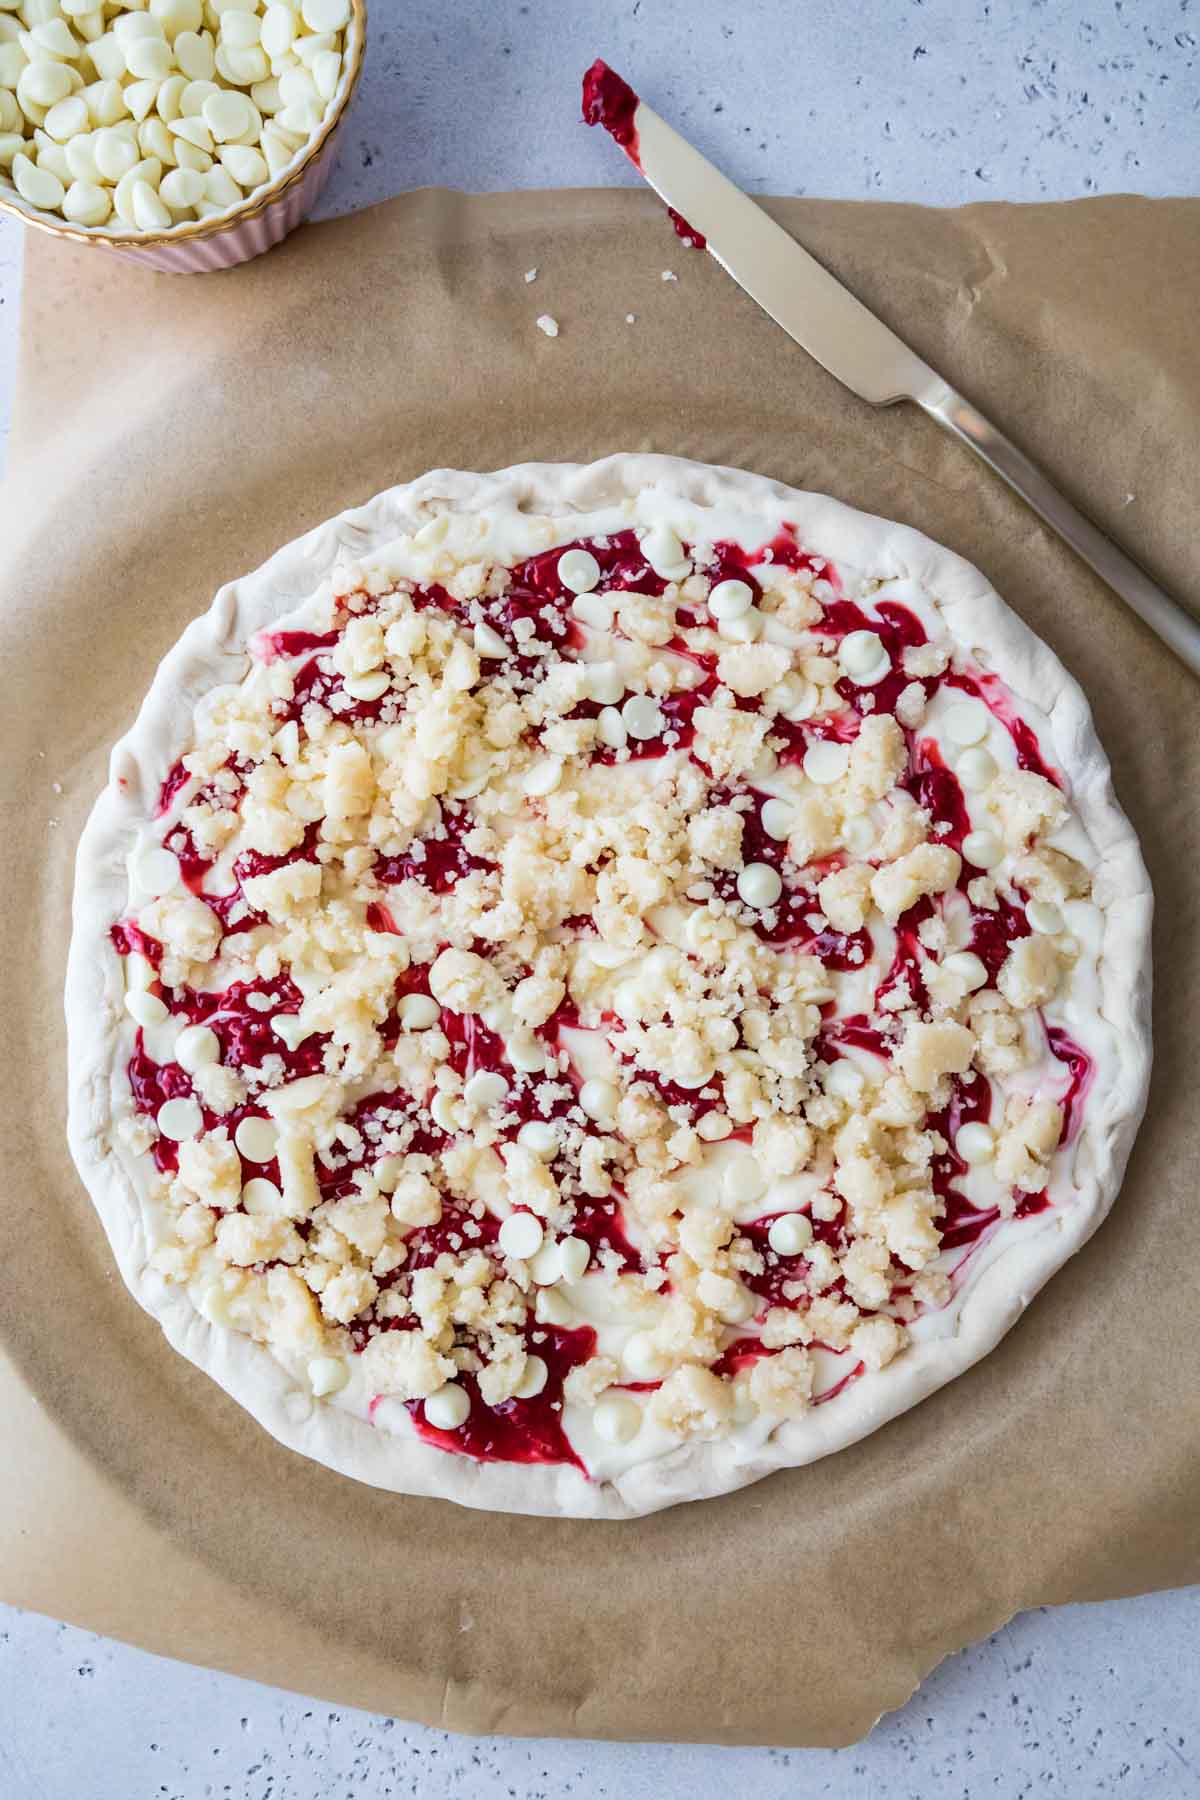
609,100
906,971
733,562
993,934
177,779
270,645
245,1032
599,1223
531,1431
963,1224
474,1046
443,859
996,697
780,1271
526,1431
153,1084
1082,1071
897,628
316,683
935,787
790,923
128,939
456,1232
194,868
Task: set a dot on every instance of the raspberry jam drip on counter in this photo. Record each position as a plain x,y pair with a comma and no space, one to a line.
533,616
527,1431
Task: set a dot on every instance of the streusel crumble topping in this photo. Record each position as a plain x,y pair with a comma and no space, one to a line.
592,1000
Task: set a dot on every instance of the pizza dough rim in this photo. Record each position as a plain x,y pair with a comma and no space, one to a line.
1003,1276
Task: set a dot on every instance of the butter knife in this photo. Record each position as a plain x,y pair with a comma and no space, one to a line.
825,319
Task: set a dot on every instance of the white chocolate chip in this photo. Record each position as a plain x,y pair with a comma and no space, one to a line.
489,643
826,761
534,1377
539,1136
326,15
617,1419
967,722
544,1266
730,600
759,884
975,769
543,778
595,610
372,686
327,1375
643,1358
863,658
747,628
521,1235
1044,917
261,1196
448,1408
149,213
419,1012
642,716
743,1180
599,1100
578,570
444,1111
228,115
605,683
146,1009
156,870
664,552
574,1255
610,727
741,1307
196,1046
525,1053
777,819
983,849
256,1138
790,1234
38,186
966,967
180,1119
485,1090
975,1143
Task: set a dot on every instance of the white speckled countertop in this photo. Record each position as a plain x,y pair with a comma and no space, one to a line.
939,101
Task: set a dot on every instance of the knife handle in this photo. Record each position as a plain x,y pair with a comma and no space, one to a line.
1177,627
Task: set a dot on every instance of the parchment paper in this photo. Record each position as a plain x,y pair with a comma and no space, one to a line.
170,434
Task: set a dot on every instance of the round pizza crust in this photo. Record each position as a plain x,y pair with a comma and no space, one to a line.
1011,1266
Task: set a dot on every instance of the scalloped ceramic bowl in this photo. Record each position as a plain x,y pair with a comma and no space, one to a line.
264,218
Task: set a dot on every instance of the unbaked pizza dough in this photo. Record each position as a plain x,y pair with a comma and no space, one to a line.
593,984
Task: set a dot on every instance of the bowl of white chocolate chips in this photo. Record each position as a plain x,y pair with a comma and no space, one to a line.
187,135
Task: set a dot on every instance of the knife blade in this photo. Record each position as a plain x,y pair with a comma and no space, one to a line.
845,337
